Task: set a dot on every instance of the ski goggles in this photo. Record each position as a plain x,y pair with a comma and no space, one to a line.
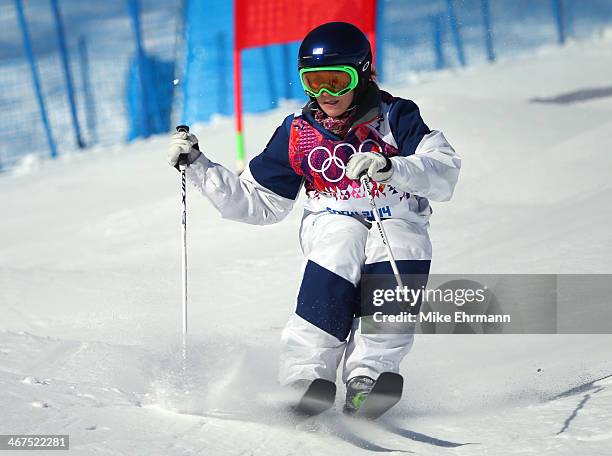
335,80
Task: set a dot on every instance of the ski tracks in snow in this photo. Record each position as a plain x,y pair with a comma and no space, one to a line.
103,396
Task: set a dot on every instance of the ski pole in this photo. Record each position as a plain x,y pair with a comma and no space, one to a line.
182,168
366,182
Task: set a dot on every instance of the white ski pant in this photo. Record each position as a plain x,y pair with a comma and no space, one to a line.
324,328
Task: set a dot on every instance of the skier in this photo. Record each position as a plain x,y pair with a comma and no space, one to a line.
348,127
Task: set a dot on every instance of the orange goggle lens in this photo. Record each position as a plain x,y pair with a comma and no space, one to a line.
334,81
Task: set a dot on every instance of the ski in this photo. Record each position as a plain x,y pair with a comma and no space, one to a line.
387,392
318,398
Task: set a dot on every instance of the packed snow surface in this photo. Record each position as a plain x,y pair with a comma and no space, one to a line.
90,303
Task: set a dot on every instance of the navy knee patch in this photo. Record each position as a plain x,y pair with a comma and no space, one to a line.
404,266
326,300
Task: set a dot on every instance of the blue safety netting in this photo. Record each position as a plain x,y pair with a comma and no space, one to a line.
188,58
100,44
413,36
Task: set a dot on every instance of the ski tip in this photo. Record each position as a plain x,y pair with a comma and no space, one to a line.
319,397
387,392
395,381
391,375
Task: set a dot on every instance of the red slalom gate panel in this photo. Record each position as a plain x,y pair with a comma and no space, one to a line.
265,22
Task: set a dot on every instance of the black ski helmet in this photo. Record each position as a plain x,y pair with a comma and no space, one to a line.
337,43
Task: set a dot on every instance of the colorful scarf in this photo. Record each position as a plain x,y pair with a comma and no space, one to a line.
337,125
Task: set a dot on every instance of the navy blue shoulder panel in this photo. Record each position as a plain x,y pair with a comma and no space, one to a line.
271,167
407,126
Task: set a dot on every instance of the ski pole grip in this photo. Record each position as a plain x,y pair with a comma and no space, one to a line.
185,129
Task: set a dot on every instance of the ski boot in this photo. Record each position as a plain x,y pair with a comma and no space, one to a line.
357,391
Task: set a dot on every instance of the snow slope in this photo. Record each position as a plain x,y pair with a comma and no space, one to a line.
90,289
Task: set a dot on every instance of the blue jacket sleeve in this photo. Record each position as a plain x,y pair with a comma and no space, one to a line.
407,126
427,165
271,168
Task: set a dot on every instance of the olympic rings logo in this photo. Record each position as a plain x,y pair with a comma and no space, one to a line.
332,159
